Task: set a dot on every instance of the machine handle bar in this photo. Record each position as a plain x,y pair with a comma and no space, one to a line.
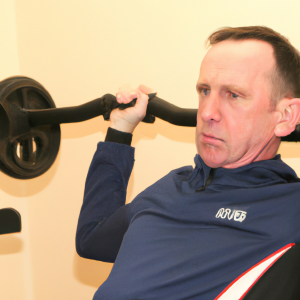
103,106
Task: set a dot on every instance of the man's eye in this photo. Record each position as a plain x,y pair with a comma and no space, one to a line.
232,95
205,91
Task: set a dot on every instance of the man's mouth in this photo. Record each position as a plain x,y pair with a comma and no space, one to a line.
209,138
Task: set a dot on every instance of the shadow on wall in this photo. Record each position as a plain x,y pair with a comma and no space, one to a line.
150,131
85,128
90,272
10,244
167,130
32,186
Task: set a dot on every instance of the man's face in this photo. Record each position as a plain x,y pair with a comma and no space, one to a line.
235,120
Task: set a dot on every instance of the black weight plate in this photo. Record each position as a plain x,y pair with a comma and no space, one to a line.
25,151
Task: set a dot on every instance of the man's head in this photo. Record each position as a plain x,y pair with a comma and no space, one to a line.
285,77
245,103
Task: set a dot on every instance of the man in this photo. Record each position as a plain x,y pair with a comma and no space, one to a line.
195,231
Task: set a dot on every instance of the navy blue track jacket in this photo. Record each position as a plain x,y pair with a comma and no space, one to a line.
177,240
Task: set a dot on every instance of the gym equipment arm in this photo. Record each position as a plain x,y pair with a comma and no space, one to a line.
103,106
30,131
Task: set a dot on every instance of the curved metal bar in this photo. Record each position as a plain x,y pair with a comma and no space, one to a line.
103,106
86,111
172,113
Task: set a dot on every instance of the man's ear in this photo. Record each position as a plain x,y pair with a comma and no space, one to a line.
289,110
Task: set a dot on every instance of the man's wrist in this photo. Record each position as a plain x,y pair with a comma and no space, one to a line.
117,136
122,126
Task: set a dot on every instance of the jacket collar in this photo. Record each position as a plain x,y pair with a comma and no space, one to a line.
256,174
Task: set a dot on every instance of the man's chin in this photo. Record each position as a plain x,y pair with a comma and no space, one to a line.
214,164
214,159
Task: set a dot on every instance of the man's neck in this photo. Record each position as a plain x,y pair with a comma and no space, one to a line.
268,151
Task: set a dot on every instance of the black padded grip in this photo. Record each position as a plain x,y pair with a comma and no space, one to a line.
103,106
73,114
172,113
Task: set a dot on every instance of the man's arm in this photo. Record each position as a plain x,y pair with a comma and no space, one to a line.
104,217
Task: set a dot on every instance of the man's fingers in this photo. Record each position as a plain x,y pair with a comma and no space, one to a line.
145,89
126,96
127,119
142,99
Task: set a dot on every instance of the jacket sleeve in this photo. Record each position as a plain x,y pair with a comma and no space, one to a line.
104,217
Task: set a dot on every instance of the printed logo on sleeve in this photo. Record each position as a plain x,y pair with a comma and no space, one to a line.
236,215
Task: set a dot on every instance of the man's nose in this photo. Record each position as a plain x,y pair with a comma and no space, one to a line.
210,109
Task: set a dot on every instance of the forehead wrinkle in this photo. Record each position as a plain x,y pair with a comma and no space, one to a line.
246,56
237,72
224,78
242,49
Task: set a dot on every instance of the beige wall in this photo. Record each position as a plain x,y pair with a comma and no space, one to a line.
80,50
15,255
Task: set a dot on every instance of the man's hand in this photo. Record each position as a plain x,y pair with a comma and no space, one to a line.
126,120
